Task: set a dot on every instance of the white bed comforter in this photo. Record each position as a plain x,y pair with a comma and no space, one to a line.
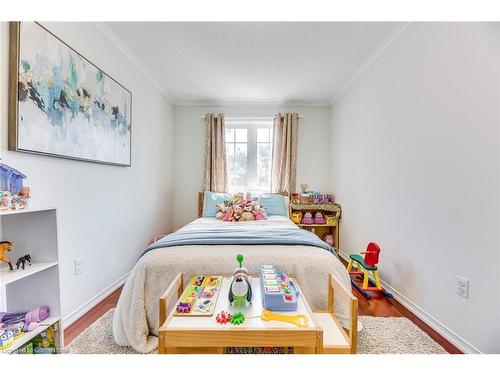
135,321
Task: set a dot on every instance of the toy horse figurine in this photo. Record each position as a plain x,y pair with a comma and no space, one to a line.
5,246
22,260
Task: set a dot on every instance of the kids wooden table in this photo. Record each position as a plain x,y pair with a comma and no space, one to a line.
202,334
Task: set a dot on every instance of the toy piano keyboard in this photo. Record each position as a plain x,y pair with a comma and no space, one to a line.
200,296
278,292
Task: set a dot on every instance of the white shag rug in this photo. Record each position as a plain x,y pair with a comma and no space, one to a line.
379,336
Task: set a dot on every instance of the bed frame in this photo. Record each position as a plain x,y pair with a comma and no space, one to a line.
201,198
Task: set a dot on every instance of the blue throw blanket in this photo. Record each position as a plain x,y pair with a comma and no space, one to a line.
241,236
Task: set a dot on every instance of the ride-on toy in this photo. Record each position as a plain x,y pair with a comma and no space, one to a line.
363,268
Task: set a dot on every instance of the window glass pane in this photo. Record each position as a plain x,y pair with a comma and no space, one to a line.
241,135
230,157
229,133
263,165
263,135
240,165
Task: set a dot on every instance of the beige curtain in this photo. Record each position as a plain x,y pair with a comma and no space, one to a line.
215,178
284,167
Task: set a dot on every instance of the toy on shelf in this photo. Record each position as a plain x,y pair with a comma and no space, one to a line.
330,220
13,195
200,296
318,218
300,320
24,321
364,266
307,219
278,292
297,217
21,261
240,290
5,247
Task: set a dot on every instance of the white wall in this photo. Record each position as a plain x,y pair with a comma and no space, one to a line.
416,168
313,164
106,214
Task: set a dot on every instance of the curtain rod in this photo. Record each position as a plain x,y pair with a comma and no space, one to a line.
259,118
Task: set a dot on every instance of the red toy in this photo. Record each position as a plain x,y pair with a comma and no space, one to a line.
223,317
364,266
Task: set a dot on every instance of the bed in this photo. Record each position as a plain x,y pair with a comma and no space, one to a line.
209,246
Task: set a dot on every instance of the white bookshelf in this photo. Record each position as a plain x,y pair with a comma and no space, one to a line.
33,231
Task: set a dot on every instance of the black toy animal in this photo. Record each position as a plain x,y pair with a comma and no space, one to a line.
21,261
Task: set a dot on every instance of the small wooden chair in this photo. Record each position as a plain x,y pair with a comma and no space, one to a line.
335,338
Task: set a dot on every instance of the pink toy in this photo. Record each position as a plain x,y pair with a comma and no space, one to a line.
307,219
228,215
318,218
223,317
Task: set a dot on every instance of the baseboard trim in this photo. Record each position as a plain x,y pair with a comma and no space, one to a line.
432,322
91,303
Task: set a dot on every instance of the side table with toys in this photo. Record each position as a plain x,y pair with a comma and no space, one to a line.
216,312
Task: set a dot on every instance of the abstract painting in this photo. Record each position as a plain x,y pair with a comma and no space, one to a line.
63,105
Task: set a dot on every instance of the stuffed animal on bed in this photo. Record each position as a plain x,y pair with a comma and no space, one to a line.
247,214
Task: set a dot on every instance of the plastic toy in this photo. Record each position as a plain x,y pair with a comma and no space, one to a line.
200,296
5,247
318,218
237,319
307,219
22,261
297,217
330,220
364,266
223,317
183,307
11,180
278,292
240,290
300,320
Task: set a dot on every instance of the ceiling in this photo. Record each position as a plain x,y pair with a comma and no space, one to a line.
250,61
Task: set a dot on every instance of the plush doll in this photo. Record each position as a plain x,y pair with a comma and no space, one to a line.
228,215
260,213
318,218
307,219
237,200
247,214
220,211
237,211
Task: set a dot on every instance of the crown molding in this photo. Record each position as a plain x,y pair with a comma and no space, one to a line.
118,43
374,56
250,103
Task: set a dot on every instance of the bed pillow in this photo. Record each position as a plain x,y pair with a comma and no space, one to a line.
211,200
275,204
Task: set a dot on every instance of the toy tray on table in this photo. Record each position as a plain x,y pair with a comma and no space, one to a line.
200,296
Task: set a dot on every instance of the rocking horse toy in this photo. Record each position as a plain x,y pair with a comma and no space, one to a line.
363,268
5,246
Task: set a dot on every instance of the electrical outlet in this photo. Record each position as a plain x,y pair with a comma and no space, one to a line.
78,266
462,286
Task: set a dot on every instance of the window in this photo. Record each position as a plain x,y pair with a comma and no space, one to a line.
249,146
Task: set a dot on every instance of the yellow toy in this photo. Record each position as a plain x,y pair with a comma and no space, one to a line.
297,217
5,246
300,320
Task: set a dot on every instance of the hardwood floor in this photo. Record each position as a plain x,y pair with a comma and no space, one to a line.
90,317
375,306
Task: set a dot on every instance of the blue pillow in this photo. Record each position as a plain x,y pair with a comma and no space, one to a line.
211,200
274,204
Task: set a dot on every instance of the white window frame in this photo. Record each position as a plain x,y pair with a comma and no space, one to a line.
251,124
